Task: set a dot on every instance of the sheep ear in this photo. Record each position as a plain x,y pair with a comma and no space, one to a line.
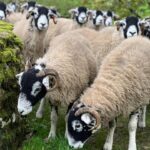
28,65
32,12
23,7
115,16
90,14
119,24
52,15
73,12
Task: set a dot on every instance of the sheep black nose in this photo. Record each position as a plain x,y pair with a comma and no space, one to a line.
43,24
132,33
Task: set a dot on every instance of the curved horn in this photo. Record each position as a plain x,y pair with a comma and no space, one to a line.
93,112
28,65
53,77
46,72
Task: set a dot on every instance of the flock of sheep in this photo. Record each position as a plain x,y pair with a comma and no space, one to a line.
97,69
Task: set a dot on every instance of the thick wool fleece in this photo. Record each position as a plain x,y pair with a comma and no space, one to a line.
123,82
71,57
32,39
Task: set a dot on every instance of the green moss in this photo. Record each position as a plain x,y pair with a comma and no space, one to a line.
10,65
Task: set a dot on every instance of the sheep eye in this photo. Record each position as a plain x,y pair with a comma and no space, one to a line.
37,90
77,126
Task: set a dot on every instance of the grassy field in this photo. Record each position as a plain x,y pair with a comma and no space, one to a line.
42,126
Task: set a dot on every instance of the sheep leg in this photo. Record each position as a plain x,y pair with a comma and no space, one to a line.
142,117
132,127
54,118
39,113
109,140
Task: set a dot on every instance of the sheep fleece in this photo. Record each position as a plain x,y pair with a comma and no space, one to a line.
71,56
123,82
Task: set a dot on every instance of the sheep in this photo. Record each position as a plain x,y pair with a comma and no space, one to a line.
63,73
96,20
32,32
80,19
3,11
121,87
109,16
12,7
28,6
79,15
102,42
146,27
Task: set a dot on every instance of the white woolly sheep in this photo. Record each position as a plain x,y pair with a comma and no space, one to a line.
68,68
33,31
3,11
96,19
79,15
121,87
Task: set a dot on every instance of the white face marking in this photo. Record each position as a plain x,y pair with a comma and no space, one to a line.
77,126
36,88
2,15
99,20
24,106
132,31
82,17
86,117
72,142
108,21
42,22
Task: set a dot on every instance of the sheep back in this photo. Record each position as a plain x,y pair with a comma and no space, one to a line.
123,81
70,56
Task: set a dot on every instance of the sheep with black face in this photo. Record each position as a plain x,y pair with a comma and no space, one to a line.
121,87
33,30
80,15
12,7
96,19
109,16
63,73
129,26
28,6
3,11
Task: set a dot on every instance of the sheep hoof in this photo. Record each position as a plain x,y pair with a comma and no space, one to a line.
39,114
107,146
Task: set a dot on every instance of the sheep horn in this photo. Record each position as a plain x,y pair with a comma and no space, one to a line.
93,112
28,65
46,72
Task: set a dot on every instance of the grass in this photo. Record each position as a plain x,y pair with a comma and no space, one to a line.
42,126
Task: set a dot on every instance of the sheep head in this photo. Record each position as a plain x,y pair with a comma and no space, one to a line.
82,121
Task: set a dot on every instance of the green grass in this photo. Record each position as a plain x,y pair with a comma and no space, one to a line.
42,126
